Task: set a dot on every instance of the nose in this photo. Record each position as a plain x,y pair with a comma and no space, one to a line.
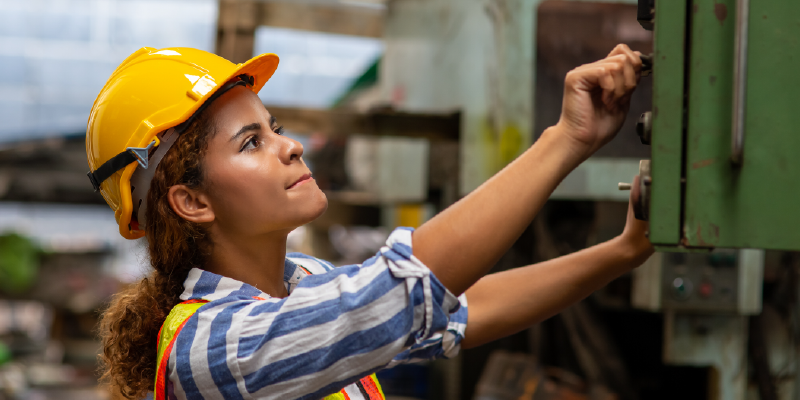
291,150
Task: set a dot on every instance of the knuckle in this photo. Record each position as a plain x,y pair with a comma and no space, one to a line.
572,78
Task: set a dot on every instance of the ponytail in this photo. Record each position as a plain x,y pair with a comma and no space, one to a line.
130,324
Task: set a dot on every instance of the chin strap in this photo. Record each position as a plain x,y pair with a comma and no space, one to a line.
120,161
141,178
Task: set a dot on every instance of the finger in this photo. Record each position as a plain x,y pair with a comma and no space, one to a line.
612,80
633,197
619,49
632,69
634,57
625,79
590,77
608,84
630,80
618,72
633,194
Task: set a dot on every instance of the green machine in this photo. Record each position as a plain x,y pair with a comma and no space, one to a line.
725,157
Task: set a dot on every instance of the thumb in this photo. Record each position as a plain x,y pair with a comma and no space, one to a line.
633,225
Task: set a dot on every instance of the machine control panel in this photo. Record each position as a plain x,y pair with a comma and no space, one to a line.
700,281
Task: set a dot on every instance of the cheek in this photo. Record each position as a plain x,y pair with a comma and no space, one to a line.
243,185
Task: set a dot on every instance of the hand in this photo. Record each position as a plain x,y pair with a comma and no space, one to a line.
597,98
634,236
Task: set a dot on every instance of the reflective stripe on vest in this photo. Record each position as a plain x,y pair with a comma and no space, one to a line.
367,388
166,338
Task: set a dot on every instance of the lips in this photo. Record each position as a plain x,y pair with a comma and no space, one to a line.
303,179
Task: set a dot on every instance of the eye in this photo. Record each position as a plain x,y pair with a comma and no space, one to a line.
279,130
251,143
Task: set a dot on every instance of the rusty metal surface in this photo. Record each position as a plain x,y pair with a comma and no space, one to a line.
753,205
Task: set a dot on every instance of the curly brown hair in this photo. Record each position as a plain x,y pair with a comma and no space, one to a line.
129,326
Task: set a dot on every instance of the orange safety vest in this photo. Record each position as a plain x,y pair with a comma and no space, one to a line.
177,319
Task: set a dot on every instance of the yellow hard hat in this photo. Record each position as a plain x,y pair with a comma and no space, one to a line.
149,93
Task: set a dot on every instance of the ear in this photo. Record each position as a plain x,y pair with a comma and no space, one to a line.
190,204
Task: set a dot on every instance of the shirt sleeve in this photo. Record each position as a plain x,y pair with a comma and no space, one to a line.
337,327
444,344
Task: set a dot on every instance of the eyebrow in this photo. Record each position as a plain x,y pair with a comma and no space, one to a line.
251,127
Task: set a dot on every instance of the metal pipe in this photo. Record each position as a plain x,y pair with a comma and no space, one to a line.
739,81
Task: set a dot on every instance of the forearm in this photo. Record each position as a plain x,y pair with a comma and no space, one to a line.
504,303
462,243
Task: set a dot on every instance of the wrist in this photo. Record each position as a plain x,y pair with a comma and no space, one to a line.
562,135
635,250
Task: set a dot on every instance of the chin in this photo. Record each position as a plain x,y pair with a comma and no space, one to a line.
313,207
320,205
305,211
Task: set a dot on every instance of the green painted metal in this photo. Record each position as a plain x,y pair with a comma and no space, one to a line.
755,205
668,99
681,249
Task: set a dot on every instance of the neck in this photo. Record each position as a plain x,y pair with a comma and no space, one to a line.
257,261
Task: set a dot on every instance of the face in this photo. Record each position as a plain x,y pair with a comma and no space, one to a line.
255,179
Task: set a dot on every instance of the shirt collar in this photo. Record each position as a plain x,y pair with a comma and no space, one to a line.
201,284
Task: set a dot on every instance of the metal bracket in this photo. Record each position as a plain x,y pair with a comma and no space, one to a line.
142,153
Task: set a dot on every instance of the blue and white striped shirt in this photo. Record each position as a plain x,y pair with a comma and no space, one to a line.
335,327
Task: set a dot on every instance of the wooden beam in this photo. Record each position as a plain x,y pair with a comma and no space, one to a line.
332,18
236,29
238,20
435,127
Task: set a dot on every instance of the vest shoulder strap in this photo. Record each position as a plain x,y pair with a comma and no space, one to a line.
166,338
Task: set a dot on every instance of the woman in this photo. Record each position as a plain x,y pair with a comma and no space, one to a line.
185,153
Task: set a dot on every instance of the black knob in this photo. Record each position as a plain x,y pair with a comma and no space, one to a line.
647,64
645,14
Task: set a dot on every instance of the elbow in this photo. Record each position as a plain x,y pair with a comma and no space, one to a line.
468,344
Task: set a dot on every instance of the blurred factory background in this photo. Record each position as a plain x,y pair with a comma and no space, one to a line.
403,106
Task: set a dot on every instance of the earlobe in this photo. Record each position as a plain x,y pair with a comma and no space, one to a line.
190,204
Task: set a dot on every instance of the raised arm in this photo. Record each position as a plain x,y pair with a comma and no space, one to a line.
507,302
461,244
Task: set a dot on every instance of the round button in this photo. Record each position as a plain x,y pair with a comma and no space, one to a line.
705,289
681,288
